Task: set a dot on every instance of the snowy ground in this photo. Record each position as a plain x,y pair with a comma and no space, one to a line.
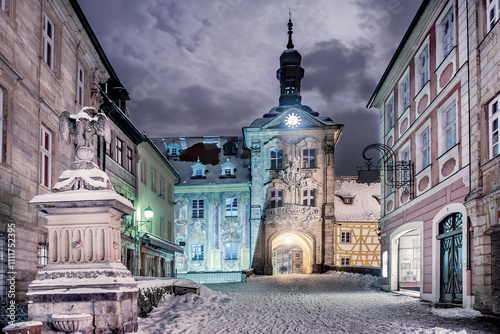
329,303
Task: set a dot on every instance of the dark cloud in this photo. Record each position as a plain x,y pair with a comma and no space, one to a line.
332,68
197,67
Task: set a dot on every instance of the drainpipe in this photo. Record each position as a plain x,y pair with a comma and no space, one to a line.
470,229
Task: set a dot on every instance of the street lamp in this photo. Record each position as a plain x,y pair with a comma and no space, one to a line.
149,213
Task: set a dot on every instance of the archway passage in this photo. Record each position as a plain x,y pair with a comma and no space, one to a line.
292,253
409,265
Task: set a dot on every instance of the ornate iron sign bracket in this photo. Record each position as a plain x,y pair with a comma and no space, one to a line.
398,173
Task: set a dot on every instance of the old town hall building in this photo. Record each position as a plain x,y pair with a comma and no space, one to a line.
292,174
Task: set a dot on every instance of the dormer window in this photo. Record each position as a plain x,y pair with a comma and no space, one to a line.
230,148
227,169
174,150
348,200
199,170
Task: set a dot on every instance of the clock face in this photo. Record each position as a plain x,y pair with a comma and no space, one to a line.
292,120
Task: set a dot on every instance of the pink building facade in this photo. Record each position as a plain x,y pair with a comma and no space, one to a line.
423,103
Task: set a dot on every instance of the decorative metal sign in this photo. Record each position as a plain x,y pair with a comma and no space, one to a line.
398,173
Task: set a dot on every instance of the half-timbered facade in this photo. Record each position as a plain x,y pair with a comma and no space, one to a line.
357,213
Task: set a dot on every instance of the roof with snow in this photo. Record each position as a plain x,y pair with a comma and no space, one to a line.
212,152
356,202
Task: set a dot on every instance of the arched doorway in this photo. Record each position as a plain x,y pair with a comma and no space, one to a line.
292,243
451,275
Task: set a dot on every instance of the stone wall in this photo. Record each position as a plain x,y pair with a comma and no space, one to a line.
34,96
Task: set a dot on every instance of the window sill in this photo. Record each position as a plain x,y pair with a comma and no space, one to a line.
446,58
447,151
422,90
423,170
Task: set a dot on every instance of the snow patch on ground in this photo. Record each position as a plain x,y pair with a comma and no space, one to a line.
353,280
456,312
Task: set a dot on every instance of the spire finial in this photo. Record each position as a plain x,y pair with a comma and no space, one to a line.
290,32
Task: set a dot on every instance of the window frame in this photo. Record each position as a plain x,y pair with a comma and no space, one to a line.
309,197
198,208
197,252
153,180
492,6
494,117
309,158
119,151
277,159
231,207
48,40
142,171
231,253
389,113
404,93
422,69
162,187
447,37
169,192
45,156
450,126
345,237
80,85
425,147
129,158
345,261
276,198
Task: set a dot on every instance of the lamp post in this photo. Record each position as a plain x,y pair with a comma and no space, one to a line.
149,214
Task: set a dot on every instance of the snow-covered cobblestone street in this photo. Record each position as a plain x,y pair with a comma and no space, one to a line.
328,303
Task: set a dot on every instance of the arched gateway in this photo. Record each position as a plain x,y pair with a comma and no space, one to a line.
291,241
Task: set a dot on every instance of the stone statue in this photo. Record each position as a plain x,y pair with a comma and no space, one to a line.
84,173
83,126
293,175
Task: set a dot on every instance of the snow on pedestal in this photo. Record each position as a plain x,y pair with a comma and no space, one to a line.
85,273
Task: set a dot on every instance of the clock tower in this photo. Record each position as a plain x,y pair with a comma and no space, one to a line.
292,176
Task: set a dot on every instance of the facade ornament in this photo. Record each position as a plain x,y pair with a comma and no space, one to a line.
294,217
293,175
84,173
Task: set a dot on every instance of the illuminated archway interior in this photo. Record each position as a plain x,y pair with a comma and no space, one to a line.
302,241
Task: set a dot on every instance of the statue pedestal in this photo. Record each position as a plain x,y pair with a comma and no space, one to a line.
85,273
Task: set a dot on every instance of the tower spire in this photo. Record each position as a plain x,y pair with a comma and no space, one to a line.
290,32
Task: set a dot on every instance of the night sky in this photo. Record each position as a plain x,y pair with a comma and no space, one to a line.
208,67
